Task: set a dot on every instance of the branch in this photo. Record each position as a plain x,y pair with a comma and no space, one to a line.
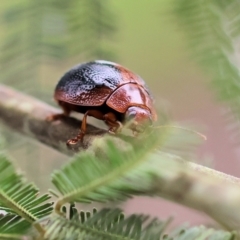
215,193
27,115
201,188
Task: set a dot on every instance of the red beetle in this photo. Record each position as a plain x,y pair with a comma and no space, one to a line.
106,91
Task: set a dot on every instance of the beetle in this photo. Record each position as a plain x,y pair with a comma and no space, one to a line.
107,91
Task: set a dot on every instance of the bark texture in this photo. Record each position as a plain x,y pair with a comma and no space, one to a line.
28,115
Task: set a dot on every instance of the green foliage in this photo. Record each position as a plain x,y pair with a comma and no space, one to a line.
75,27
43,32
108,177
212,32
19,196
105,224
40,31
114,175
13,226
111,224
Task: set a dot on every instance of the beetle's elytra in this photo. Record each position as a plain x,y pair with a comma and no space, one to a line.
106,91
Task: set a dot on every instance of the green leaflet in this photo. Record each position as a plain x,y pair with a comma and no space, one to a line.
20,197
13,227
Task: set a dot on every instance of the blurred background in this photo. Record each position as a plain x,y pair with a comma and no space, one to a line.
40,40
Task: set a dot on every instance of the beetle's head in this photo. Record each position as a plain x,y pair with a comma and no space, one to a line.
138,119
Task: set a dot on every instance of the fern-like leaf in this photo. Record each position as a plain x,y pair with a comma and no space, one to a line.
212,30
113,175
107,224
110,224
19,196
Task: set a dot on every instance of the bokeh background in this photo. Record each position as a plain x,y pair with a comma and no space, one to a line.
40,40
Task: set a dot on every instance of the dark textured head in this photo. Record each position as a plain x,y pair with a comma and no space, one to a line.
138,118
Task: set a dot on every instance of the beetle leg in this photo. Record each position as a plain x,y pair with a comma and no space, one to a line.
94,113
111,121
115,127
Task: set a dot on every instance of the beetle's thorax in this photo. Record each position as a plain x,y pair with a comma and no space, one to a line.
138,118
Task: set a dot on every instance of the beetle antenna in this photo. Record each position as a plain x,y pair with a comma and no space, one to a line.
185,129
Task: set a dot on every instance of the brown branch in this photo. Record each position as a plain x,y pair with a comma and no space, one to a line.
27,115
193,185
